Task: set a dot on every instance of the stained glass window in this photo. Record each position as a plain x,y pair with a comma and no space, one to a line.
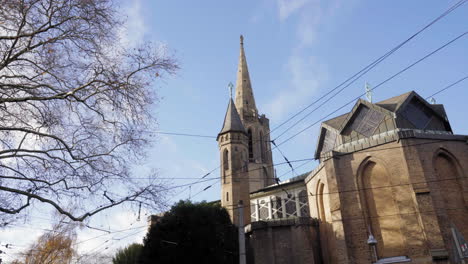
417,113
366,121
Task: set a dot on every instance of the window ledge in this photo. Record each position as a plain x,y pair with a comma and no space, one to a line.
399,259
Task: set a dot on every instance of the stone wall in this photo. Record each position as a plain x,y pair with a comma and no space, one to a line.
285,241
407,192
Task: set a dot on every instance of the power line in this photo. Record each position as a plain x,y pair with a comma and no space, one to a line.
114,232
179,134
448,87
366,69
253,178
261,168
303,164
441,90
380,84
359,74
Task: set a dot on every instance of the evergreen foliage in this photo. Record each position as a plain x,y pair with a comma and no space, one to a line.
128,255
192,233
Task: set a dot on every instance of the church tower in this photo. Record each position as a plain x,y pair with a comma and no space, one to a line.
244,145
260,162
233,148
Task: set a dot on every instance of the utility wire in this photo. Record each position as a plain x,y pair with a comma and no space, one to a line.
180,134
360,73
439,91
448,87
373,64
286,159
380,84
261,168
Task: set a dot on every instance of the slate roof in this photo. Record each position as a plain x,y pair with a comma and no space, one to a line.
392,104
337,121
232,121
439,108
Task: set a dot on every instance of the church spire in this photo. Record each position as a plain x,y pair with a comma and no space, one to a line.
245,101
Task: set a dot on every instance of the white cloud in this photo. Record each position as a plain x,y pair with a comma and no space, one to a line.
304,76
118,219
287,7
307,28
18,238
134,30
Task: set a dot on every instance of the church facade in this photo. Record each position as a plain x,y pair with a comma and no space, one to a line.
391,185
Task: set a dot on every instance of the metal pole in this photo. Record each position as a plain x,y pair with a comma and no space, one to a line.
457,246
242,258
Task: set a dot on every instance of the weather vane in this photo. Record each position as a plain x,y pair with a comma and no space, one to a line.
368,92
230,86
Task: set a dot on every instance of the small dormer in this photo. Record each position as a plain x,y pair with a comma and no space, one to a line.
417,113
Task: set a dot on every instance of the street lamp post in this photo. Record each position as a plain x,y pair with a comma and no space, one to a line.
372,242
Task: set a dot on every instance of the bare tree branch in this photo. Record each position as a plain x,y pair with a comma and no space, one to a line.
75,105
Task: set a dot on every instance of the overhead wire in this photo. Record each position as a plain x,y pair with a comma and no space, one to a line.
377,86
362,72
241,172
370,66
398,147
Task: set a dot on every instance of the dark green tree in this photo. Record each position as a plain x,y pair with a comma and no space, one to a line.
192,233
128,255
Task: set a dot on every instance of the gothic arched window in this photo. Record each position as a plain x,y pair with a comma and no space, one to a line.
321,204
449,179
251,156
262,147
226,159
382,211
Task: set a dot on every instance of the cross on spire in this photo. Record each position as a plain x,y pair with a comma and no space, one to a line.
230,86
368,92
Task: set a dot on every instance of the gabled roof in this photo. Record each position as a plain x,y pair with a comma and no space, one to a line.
394,103
232,121
440,109
337,121
350,115
397,103
392,106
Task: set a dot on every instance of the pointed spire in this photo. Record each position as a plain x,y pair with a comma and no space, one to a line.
245,101
232,121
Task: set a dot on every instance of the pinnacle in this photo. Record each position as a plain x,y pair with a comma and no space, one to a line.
245,101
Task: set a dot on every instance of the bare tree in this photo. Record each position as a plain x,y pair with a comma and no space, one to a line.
74,107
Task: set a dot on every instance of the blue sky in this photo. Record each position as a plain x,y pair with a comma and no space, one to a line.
296,51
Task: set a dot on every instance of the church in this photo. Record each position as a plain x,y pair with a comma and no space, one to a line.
391,185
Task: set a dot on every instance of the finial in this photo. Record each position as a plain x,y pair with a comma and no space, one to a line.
432,100
230,86
241,40
368,92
